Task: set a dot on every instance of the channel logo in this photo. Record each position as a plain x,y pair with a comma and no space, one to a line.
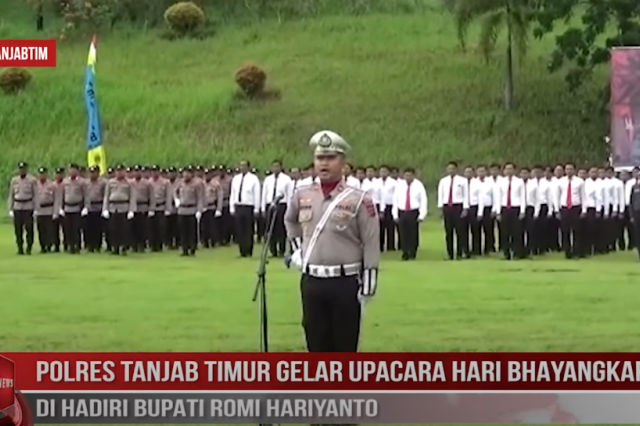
14,410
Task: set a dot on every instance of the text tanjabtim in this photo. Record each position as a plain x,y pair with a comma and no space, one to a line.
27,53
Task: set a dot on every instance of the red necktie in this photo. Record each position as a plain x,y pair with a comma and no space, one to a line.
451,192
509,194
569,195
407,200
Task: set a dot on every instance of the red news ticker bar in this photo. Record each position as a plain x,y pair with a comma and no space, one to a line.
28,53
299,371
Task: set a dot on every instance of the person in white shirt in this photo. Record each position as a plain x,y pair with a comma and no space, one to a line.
556,234
409,210
276,193
486,194
543,229
372,185
572,206
351,180
453,203
244,206
495,171
308,177
594,195
387,186
510,208
532,211
472,220
615,187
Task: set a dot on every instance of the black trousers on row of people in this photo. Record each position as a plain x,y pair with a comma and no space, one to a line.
331,313
244,231
387,230
23,228
409,230
278,243
481,230
456,232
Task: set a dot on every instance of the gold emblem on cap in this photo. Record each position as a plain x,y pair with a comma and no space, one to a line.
325,141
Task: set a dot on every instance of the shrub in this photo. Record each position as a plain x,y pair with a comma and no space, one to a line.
251,79
13,80
86,17
184,18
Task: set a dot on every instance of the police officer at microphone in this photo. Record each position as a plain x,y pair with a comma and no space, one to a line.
335,236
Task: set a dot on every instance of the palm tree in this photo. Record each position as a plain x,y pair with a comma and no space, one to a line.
495,15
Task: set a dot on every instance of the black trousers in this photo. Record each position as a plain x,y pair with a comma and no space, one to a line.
554,234
571,231
107,233
119,227
331,313
23,227
140,230
542,230
45,232
208,232
512,232
260,226
94,231
227,226
590,234
626,227
387,230
172,239
487,225
529,229
58,233
244,229
157,230
455,225
188,225
410,233
278,243
636,229
73,231
475,231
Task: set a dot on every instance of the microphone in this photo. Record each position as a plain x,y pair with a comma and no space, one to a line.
277,200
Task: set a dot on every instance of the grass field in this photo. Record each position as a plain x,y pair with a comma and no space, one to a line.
161,302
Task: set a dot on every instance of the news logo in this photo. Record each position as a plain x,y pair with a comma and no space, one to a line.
28,53
14,410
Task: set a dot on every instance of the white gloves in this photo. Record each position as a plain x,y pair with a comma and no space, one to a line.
198,215
84,212
152,213
61,213
176,202
363,299
218,213
105,214
10,213
167,213
296,259
130,215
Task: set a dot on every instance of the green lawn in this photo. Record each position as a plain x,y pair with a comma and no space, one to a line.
161,302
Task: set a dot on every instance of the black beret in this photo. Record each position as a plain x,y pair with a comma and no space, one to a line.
180,170
254,170
74,166
81,168
198,168
60,170
42,170
229,171
172,169
144,168
207,171
136,168
128,169
110,170
222,167
155,168
94,168
188,169
22,165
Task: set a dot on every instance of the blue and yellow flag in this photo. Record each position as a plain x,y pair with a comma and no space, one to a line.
95,150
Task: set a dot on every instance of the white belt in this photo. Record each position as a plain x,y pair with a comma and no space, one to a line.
321,271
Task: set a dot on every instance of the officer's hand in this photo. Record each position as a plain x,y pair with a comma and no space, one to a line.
218,213
198,215
130,215
535,216
464,213
583,215
257,213
498,217
35,214
10,213
558,215
167,213
105,214
521,216
152,213
287,261
84,212
61,213
176,202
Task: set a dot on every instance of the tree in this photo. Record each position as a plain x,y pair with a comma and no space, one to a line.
592,28
494,16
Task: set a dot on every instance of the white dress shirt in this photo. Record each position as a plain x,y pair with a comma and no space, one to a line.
628,189
352,181
387,191
545,194
275,186
514,186
245,191
618,187
458,187
373,188
474,192
578,196
307,181
531,196
417,196
594,194
486,194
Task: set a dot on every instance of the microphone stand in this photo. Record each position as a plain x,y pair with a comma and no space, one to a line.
261,284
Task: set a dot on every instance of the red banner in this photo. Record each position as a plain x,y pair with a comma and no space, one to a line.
322,372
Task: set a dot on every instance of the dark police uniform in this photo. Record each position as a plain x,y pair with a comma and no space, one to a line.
118,207
94,224
171,213
161,199
58,222
189,199
145,207
634,205
71,204
21,204
336,240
